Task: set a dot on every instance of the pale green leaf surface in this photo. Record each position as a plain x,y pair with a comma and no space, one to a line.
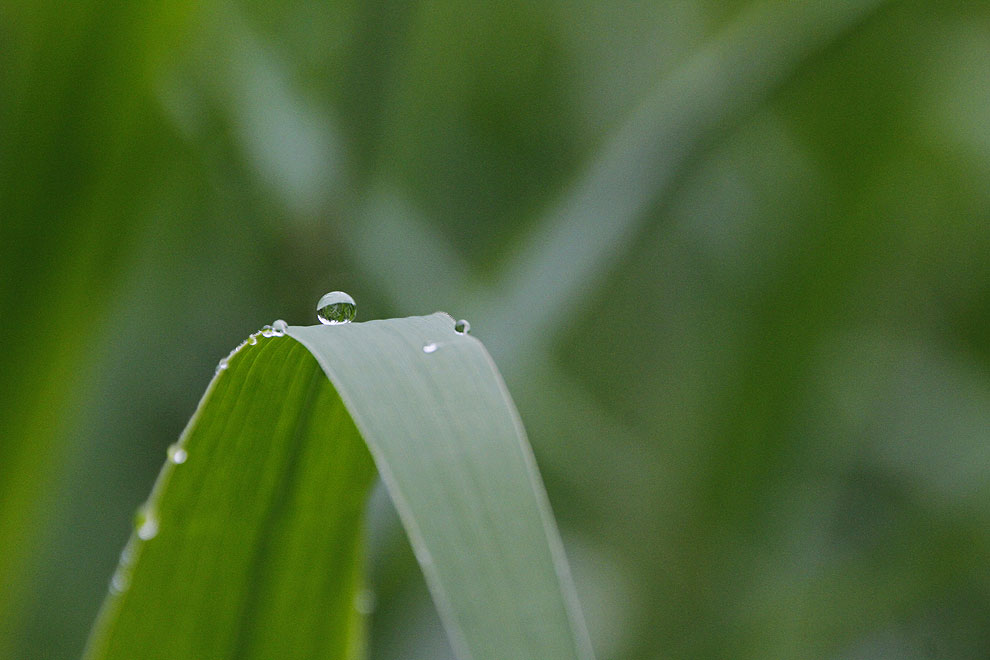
257,553
452,452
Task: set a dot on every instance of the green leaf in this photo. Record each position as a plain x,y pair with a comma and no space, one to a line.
253,542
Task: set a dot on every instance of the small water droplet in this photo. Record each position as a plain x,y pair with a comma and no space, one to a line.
148,530
120,581
221,365
462,327
431,347
365,601
266,331
336,307
146,524
177,454
279,328
252,340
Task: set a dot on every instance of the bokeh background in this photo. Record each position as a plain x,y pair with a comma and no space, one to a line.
733,259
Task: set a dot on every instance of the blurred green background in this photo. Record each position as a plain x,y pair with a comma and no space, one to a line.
733,260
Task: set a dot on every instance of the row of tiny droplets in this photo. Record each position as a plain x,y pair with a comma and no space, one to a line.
334,308
146,520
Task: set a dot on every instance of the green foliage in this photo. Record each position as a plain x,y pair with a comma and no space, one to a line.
730,257
249,546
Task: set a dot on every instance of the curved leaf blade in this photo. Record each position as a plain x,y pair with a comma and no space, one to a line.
251,545
454,457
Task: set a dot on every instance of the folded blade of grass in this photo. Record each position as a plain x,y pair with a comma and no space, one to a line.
454,457
255,538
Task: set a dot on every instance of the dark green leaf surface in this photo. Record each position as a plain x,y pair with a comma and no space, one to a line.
257,550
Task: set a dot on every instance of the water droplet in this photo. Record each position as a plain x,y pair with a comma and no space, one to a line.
431,347
221,365
146,524
279,328
336,307
252,340
266,331
462,327
177,454
365,601
120,580
148,530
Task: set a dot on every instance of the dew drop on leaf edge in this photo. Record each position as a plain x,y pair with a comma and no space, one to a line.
146,524
120,582
462,327
335,308
177,454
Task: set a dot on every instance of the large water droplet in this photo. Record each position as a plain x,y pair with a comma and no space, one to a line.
462,327
279,327
431,347
177,454
336,307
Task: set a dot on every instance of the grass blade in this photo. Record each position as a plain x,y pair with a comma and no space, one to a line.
453,454
258,530
251,546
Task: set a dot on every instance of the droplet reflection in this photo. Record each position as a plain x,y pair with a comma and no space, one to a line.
336,307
